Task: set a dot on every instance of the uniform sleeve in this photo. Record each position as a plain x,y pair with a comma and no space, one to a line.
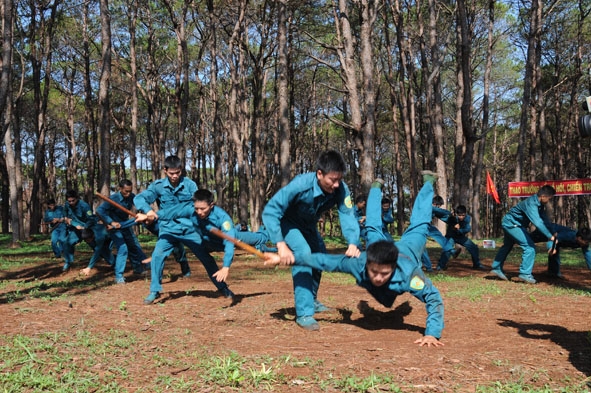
336,263
104,211
532,212
144,199
226,226
349,224
275,209
423,289
467,227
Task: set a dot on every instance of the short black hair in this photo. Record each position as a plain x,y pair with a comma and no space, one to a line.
87,234
386,200
437,200
585,234
383,252
172,162
461,209
125,183
361,198
51,201
72,194
546,190
203,195
331,161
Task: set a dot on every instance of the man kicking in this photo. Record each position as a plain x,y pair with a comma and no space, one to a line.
387,270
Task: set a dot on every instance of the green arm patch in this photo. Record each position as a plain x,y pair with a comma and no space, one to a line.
417,283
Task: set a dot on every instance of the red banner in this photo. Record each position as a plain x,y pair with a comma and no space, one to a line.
562,187
491,189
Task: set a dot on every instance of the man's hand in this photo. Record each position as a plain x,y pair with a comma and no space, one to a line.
272,259
86,271
285,254
429,341
146,218
352,251
554,240
222,274
114,224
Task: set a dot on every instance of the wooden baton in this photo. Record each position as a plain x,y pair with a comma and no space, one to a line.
117,205
237,243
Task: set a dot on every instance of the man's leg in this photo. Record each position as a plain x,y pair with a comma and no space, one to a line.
413,240
306,280
473,250
199,248
122,252
69,246
55,243
135,252
499,261
162,250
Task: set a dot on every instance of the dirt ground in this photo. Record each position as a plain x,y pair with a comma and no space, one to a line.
510,332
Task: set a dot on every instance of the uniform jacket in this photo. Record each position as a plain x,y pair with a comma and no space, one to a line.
300,204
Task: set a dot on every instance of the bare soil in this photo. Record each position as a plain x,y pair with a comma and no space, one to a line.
510,332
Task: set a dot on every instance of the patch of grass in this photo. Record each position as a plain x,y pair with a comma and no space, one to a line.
371,383
520,387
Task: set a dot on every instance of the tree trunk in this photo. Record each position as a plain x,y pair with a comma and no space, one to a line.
104,100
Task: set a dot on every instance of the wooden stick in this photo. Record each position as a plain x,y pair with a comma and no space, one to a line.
237,243
117,205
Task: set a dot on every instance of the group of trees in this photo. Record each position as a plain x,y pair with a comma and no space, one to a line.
247,93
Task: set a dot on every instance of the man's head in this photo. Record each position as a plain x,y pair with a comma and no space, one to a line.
87,235
545,193
125,187
72,197
361,201
583,237
386,203
203,203
382,260
461,212
330,169
173,168
51,203
437,201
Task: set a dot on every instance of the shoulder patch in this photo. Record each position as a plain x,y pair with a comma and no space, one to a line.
417,283
348,202
226,226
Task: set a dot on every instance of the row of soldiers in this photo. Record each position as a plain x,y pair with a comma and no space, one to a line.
110,228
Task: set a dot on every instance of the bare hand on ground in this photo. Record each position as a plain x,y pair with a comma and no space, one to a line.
429,341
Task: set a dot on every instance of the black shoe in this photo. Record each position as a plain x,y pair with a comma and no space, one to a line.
227,293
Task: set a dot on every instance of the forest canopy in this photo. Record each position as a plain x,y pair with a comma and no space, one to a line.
248,93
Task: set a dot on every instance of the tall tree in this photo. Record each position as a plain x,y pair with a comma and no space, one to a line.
104,99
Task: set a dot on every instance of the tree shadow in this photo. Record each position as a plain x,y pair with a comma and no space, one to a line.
207,294
578,344
371,318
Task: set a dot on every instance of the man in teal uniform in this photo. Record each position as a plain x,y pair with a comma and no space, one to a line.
258,239
175,196
458,227
515,226
435,233
99,240
291,217
387,270
567,238
79,216
124,239
207,216
54,216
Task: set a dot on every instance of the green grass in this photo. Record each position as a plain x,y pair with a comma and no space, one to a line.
103,361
